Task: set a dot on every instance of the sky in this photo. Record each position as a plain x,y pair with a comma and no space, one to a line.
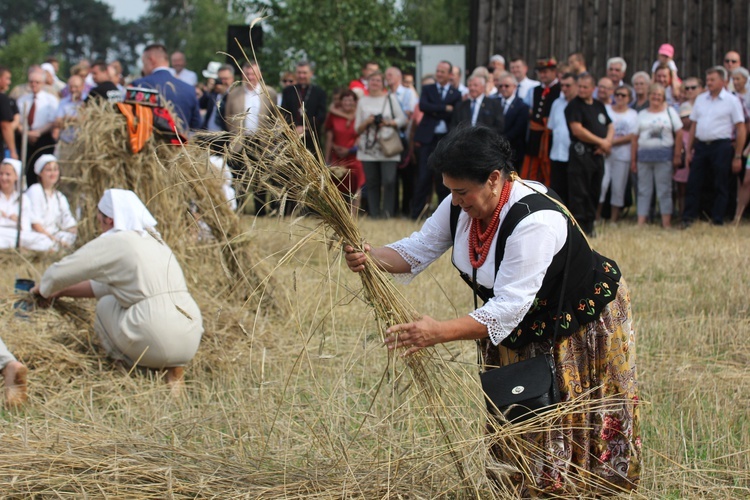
128,10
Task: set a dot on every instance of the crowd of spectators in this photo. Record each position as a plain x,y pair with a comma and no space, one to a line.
667,145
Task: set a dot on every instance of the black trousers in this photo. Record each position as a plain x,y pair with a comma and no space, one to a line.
426,179
715,159
585,174
559,179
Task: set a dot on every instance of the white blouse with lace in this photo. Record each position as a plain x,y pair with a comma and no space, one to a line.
528,253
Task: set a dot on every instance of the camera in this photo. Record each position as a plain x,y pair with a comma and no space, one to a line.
378,119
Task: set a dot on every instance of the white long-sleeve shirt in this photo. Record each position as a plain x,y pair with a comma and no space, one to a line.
528,253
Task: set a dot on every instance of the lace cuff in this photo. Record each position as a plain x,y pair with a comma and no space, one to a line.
489,315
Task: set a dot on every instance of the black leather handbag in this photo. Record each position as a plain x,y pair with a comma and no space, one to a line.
527,388
521,390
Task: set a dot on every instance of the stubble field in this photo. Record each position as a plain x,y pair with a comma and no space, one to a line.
300,400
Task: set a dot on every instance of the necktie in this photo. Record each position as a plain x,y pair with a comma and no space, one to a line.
32,112
473,109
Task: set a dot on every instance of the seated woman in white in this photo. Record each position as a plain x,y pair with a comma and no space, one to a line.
144,314
11,205
49,208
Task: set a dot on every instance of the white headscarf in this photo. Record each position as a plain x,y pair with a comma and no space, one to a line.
49,68
126,210
42,162
16,164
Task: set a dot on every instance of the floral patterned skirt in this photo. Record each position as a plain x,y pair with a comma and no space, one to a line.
596,446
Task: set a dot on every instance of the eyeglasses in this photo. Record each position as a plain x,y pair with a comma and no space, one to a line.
505,86
732,61
287,81
617,94
615,69
691,87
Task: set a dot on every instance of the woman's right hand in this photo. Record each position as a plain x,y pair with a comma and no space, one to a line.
355,259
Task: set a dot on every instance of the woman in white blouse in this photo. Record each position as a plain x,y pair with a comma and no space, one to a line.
521,285
49,208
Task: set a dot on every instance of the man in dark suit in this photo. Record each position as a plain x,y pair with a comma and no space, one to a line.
478,109
311,98
437,103
516,116
178,93
213,99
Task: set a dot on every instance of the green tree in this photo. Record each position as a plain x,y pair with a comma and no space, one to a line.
337,35
438,21
22,50
202,32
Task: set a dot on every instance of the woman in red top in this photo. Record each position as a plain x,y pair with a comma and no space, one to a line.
341,149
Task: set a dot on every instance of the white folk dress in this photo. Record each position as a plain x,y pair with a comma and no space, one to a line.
144,313
53,213
9,205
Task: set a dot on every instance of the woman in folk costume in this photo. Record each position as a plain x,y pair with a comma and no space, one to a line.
49,208
516,246
144,314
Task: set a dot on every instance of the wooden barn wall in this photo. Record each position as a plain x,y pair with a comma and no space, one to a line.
700,30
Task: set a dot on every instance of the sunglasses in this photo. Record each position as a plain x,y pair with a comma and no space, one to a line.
733,61
691,87
621,95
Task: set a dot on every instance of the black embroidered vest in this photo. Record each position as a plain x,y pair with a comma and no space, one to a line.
592,281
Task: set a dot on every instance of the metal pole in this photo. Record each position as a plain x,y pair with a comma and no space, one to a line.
22,177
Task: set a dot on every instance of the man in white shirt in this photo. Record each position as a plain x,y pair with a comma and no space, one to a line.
247,109
520,69
559,153
408,99
39,110
717,116
181,72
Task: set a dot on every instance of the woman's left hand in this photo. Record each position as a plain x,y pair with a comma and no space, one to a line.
414,336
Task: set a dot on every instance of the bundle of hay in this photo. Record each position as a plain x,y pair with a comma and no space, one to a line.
177,183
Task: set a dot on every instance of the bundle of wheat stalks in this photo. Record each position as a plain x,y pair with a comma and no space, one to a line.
176,182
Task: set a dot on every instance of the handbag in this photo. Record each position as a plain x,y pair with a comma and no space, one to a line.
388,137
526,388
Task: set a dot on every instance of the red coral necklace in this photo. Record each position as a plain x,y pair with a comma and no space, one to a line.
481,241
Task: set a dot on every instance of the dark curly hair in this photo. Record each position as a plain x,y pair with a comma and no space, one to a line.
472,153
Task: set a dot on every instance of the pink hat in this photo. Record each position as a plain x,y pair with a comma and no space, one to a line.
667,50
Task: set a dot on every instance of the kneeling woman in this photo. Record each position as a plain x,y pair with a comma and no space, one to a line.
144,314
513,242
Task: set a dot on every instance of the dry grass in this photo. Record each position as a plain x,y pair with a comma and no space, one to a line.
309,405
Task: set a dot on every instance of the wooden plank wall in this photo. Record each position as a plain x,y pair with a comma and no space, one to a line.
701,31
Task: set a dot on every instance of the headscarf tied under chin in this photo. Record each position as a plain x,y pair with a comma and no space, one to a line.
127,211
